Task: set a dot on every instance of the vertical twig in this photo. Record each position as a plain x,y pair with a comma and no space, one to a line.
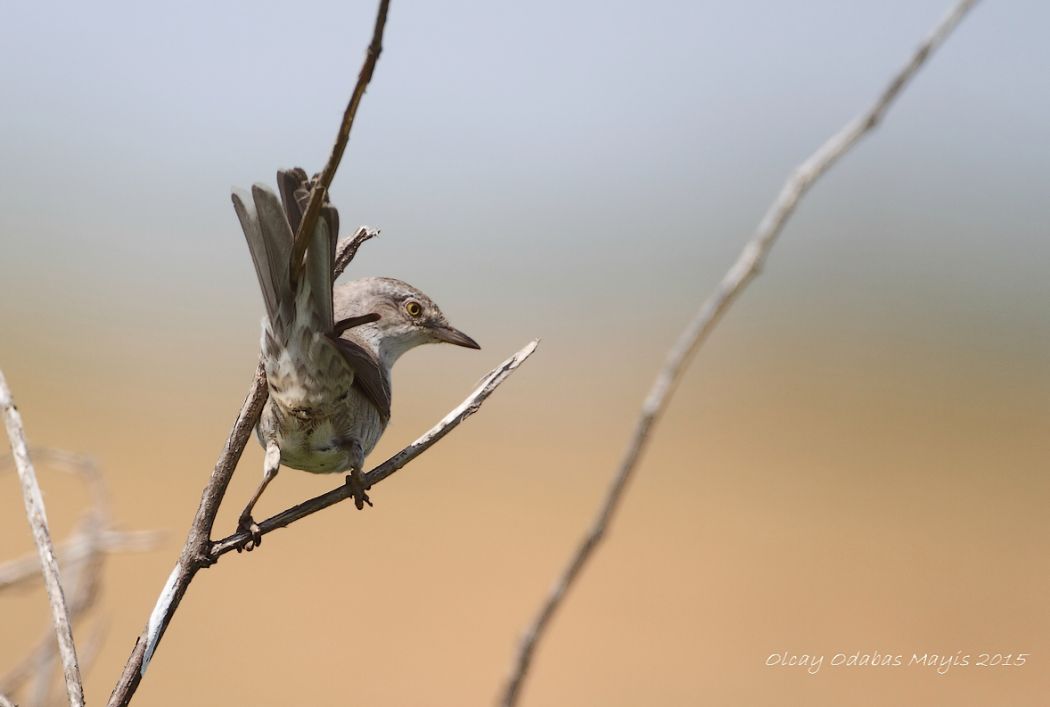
34,504
747,266
195,552
321,185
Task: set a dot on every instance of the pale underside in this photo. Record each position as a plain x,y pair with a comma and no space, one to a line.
319,419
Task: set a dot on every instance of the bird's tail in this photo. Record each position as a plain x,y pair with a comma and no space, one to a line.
304,306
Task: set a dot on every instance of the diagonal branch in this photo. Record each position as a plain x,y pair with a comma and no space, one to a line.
448,423
195,552
34,504
321,185
190,562
747,266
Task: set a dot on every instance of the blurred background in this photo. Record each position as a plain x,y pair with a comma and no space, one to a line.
855,462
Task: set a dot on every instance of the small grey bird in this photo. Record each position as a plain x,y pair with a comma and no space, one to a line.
327,351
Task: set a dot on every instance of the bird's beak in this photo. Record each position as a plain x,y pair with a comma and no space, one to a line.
454,336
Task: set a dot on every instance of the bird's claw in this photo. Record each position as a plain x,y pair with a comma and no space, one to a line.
358,490
247,524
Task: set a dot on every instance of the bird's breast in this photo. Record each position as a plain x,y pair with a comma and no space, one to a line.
323,439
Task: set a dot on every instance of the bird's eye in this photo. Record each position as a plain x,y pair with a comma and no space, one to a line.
413,308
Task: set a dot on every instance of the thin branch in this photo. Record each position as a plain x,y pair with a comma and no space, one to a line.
194,555
190,562
81,559
452,420
345,255
26,570
195,552
34,504
747,266
198,550
81,581
92,647
321,185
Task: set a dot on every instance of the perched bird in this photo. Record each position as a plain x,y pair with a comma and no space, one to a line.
327,351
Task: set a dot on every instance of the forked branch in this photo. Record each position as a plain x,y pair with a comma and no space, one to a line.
448,423
200,550
196,551
746,267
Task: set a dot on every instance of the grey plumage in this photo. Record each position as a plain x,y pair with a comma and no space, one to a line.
327,351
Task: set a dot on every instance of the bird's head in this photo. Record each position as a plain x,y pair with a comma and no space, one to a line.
407,317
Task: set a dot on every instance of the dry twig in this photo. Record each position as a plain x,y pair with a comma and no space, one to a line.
80,558
461,412
322,184
199,551
195,553
25,570
34,504
747,266
345,255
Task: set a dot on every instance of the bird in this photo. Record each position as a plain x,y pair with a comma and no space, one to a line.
327,351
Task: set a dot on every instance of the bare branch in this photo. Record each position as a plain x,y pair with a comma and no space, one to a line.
321,185
199,551
81,559
747,266
82,583
195,552
34,504
196,556
464,410
347,253
26,570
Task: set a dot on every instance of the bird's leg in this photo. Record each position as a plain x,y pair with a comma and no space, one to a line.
271,463
355,480
357,488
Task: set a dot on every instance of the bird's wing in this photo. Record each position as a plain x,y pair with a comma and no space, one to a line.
271,248
368,374
288,182
295,188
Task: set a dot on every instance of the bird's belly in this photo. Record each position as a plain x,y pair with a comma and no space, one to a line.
317,460
323,442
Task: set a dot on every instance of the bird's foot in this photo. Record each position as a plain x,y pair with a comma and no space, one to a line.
247,524
355,481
